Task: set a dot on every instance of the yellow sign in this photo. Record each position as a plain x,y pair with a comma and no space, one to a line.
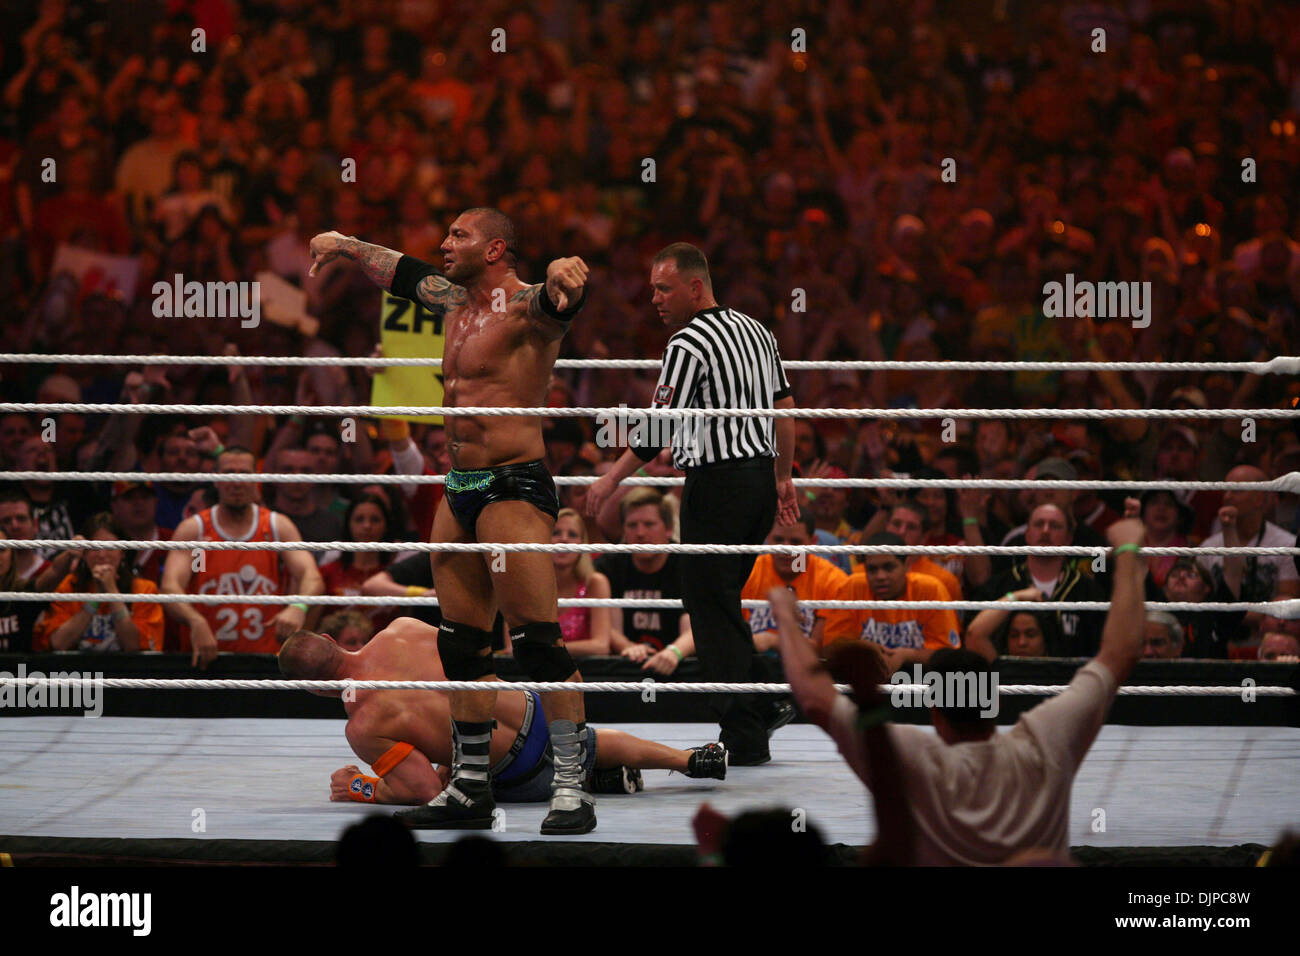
408,330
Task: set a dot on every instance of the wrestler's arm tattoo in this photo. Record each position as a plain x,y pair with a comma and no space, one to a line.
531,296
379,264
437,294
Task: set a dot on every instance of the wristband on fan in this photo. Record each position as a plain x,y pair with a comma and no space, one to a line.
1136,549
676,650
414,590
301,606
966,521
1009,596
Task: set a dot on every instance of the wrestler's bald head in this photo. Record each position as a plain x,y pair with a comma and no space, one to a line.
307,655
494,224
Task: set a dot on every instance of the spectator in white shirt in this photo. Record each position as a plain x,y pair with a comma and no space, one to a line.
978,796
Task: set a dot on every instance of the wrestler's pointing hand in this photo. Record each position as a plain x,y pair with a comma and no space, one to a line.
565,279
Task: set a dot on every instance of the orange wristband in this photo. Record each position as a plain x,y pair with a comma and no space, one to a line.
394,429
362,788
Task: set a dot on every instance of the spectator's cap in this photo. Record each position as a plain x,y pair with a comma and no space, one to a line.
1190,394
121,488
1057,469
1185,515
1180,431
1084,462
1191,564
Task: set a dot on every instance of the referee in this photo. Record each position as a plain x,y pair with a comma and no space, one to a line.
737,473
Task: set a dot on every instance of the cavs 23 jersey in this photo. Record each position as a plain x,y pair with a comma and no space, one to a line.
239,628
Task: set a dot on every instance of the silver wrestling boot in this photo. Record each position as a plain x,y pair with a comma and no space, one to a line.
466,803
573,809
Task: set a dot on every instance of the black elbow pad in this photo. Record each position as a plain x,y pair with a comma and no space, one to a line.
407,276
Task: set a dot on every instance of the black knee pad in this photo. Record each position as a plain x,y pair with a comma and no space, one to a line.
540,651
461,649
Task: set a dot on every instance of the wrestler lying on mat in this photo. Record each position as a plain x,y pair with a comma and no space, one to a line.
402,733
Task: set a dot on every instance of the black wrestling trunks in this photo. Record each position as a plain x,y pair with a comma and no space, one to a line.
469,492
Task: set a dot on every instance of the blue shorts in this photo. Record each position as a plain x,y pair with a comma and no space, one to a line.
526,776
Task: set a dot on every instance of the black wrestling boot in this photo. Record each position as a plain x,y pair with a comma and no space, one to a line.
708,762
466,803
616,780
452,810
573,810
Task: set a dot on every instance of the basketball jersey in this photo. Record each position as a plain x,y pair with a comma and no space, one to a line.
239,628
820,581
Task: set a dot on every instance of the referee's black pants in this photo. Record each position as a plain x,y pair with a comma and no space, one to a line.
732,502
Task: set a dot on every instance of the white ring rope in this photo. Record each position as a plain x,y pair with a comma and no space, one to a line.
1288,608
624,411
1281,365
1285,484
565,547
593,687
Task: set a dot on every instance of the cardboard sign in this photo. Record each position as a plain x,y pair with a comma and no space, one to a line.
408,330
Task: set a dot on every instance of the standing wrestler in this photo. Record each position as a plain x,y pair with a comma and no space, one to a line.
502,337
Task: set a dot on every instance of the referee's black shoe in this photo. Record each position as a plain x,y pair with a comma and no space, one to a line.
779,713
751,753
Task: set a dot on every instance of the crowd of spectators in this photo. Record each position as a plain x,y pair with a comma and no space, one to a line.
813,175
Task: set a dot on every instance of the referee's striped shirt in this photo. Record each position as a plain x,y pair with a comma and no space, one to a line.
721,359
